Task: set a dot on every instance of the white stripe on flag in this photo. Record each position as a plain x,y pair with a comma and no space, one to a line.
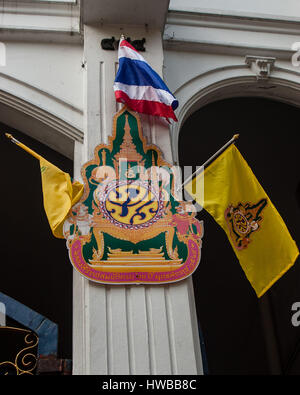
137,92
126,52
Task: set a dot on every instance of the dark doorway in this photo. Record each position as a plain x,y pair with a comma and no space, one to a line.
227,307
35,267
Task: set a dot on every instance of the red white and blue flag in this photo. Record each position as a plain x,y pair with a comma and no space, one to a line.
139,87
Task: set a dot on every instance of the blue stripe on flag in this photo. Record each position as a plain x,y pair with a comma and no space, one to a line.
137,72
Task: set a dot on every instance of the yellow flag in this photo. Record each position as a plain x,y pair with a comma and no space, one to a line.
59,193
256,231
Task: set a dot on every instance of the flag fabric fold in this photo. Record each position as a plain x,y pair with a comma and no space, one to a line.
255,229
59,195
59,192
139,87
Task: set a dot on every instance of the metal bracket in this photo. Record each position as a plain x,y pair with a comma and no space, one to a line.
111,44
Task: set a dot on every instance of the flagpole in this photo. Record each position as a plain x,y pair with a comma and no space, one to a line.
209,160
17,142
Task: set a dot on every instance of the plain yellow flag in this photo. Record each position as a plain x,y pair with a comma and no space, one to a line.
59,192
59,195
256,231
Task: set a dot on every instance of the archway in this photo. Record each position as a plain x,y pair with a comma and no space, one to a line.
229,82
227,307
35,268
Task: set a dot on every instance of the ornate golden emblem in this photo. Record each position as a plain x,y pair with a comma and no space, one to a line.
129,226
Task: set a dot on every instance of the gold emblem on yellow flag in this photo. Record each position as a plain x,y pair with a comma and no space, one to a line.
243,220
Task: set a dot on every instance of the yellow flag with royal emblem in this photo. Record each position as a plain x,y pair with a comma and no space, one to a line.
59,192
255,229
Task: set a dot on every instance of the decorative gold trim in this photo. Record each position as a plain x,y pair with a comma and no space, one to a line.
25,362
153,257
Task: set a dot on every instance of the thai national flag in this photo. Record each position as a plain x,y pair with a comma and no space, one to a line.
140,87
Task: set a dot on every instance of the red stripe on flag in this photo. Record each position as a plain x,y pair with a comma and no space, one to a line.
125,43
146,106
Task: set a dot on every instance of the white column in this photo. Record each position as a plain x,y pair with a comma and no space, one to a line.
2,314
128,329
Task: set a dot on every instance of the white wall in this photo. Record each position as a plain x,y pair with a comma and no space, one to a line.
278,8
41,91
41,84
46,74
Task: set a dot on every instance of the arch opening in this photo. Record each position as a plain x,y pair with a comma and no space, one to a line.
41,125
35,267
231,82
227,307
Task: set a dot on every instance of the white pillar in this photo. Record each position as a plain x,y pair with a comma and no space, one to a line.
130,329
2,314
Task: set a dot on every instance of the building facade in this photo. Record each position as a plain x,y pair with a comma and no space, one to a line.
58,65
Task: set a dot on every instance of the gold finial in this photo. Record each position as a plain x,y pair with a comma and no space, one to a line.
12,139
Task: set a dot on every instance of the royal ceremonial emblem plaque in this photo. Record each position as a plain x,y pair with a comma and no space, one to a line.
128,227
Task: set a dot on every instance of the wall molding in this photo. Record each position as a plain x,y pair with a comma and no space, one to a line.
261,66
220,20
46,16
232,81
227,34
41,115
224,47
